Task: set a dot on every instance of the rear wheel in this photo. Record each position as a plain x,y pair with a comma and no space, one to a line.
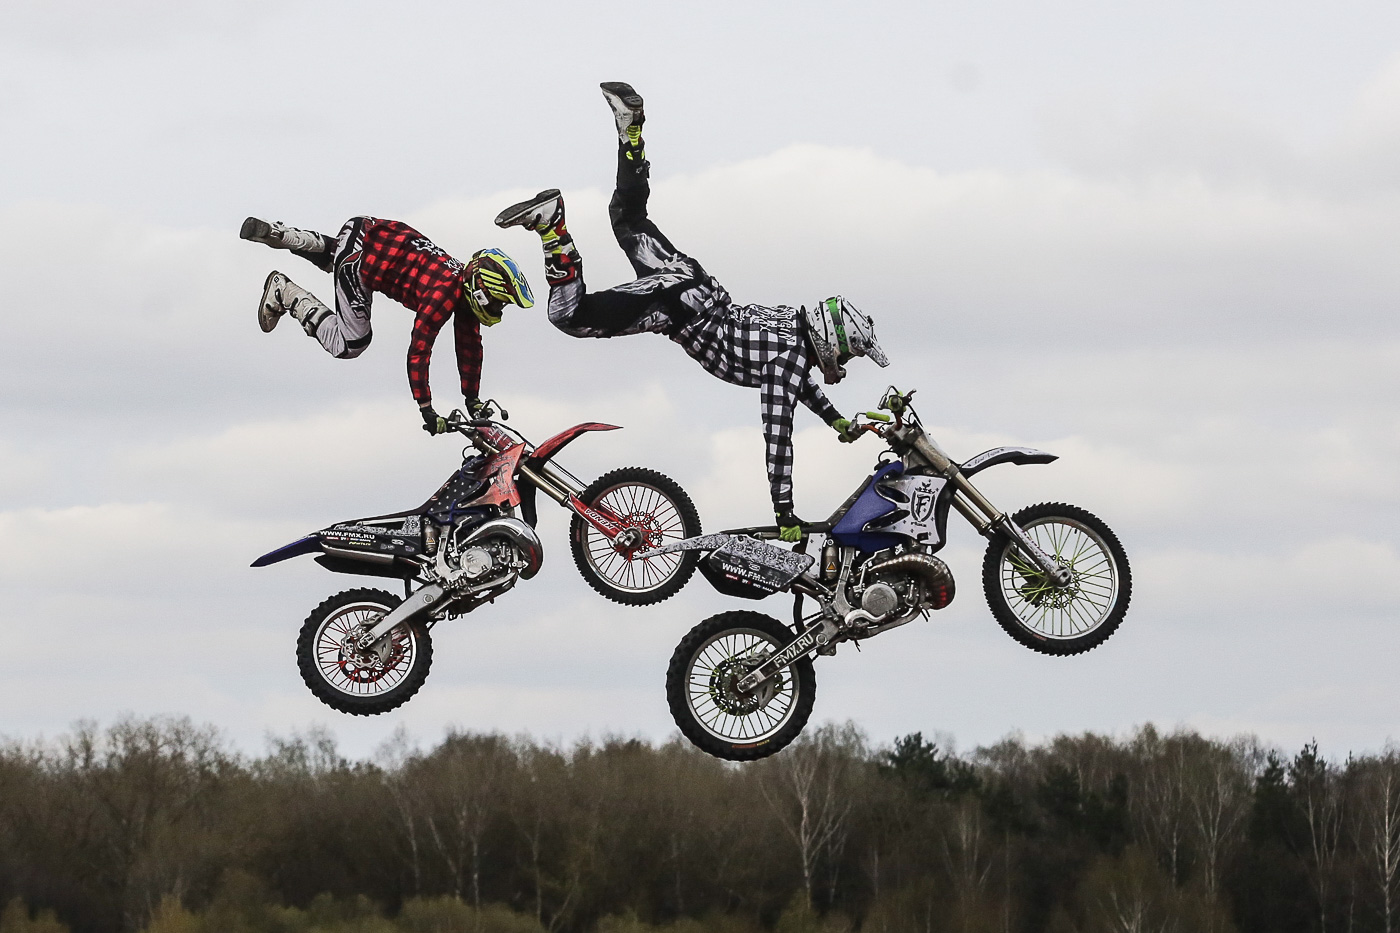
347,674
705,699
653,511
1051,619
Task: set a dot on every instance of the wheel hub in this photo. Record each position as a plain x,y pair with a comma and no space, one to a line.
725,691
363,665
641,533
1043,593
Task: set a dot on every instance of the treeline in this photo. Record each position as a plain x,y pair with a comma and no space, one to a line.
158,825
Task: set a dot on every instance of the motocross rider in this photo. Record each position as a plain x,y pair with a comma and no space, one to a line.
771,349
388,256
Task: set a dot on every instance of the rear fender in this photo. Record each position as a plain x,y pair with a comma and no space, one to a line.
546,451
1017,455
308,545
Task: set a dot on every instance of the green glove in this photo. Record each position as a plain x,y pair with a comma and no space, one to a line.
474,407
789,527
433,423
843,430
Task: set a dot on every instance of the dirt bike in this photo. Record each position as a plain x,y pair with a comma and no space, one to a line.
741,684
366,651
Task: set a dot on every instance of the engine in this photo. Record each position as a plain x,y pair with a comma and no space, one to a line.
486,558
893,587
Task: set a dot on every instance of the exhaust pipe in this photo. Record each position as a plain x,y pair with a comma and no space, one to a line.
930,569
516,532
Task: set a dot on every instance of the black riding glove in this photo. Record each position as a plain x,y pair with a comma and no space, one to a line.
474,407
433,423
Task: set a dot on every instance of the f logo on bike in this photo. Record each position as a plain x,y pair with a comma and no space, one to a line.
921,508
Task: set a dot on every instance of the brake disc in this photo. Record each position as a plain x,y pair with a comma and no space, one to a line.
724,686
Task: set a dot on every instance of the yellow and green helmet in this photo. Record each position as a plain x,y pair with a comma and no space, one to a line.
491,281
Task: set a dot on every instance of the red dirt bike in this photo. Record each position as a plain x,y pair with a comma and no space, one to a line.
366,651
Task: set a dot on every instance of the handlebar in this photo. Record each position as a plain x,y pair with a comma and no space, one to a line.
893,401
459,421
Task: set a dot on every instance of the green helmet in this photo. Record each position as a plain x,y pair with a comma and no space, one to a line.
491,281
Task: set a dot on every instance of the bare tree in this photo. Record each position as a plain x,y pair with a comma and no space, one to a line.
1219,779
394,758
1378,828
459,783
537,802
148,777
1160,802
807,787
966,852
1129,894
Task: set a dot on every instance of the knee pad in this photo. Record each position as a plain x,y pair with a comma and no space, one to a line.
354,348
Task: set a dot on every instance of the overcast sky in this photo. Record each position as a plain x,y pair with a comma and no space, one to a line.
1158,240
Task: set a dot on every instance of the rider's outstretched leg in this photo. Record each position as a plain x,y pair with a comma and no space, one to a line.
316,248
572,309
343,332
647,248
283,296
650,303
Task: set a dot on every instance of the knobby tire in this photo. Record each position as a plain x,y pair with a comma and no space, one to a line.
998,568
689,527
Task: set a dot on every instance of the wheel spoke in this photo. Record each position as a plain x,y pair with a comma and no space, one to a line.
1053,611
735,717
355,672
649,510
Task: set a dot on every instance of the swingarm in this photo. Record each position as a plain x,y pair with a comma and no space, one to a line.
820,633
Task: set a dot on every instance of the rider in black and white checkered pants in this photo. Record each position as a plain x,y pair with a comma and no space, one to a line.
771,349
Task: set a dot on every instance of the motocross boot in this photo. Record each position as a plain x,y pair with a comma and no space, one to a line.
627,111
544,214
283,296
626,106
280,236
540,213
314,247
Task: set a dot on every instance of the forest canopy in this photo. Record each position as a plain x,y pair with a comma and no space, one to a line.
159,825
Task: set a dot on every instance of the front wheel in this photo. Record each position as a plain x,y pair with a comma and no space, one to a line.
653,511
1051,619
350,676
706,702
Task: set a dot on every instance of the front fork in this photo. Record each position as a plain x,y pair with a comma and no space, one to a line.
991,522
564,488
985,517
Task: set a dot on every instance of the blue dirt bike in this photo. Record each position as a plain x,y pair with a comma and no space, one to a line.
741,684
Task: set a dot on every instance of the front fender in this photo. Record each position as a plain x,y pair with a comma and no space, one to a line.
308,545
559,441
1017,455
